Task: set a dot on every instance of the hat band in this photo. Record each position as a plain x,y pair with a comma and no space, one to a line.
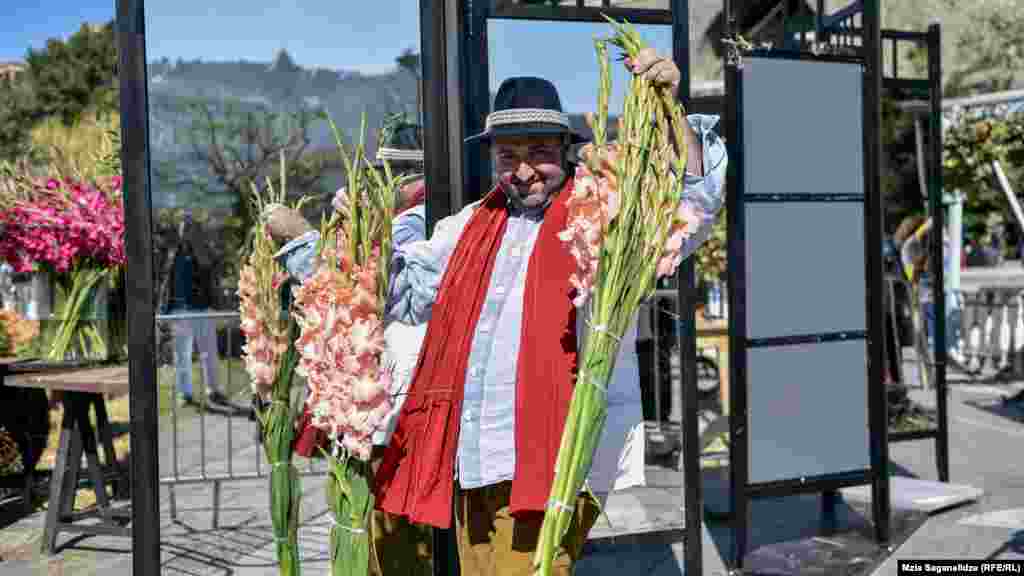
526,116
400,155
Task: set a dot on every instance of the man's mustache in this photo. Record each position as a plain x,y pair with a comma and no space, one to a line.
515,182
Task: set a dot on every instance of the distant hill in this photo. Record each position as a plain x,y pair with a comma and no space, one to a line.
277,85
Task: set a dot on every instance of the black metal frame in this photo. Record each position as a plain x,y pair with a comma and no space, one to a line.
932,39
742,491
145,416
447,193
580,13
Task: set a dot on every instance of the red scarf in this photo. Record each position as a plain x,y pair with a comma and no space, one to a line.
416,477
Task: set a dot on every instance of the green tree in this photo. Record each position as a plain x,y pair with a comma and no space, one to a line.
232,146
982,41
16,116
969,149
409,60
69,77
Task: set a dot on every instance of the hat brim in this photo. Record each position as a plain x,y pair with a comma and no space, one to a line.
525,130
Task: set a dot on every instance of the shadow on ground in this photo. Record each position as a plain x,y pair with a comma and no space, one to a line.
787,536
1012,411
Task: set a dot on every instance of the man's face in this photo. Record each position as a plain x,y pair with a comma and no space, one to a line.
529,167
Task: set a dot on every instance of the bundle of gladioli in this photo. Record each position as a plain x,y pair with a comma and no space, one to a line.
626,228
341,310
76,231
270,359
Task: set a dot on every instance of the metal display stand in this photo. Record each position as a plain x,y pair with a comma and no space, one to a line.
744,346
929,90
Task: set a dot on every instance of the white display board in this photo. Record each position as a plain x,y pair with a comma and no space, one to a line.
803,127
807,410
802,123
805,268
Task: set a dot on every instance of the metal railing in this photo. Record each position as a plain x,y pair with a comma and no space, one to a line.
992,329
236,418
991,332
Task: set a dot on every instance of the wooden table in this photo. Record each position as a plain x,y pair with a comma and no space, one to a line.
82,389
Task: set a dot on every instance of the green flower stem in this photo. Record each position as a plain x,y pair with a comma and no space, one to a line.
70,327
351,501
285,487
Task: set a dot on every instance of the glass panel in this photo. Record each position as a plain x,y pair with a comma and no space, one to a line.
572,68
805,268
828,99
706,70
232,86
793,433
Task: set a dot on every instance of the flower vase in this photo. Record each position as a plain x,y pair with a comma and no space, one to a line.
77,331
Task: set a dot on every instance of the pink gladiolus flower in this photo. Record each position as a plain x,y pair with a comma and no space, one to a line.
340,348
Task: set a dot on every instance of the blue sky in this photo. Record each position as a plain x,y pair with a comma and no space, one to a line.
365,36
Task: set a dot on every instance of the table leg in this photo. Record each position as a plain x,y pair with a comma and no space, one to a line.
81,403
63,480
119,485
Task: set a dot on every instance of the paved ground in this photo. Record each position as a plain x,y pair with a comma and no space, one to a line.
984,453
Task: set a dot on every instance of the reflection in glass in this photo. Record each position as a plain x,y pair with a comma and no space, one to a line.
234,87
222,119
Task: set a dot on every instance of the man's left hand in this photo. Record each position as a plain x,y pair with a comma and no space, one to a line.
654,68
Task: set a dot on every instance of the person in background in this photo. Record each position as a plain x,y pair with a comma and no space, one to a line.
192,292
915,252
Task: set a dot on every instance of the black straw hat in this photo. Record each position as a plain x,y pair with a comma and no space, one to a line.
526,105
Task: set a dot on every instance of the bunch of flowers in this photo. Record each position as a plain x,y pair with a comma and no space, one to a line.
270,359
265,329
74,230
341,312
341,345
64,224
627,227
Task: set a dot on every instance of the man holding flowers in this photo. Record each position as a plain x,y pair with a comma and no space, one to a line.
483,418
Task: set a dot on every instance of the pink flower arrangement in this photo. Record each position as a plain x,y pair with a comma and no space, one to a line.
593,206
65,224
340,350
266,333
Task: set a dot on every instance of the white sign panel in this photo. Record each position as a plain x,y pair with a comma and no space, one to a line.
805,268
802,127
802,124
807,410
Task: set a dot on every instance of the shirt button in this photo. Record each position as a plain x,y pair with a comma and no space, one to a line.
485,328
499,290
516,251
468,416
474,371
